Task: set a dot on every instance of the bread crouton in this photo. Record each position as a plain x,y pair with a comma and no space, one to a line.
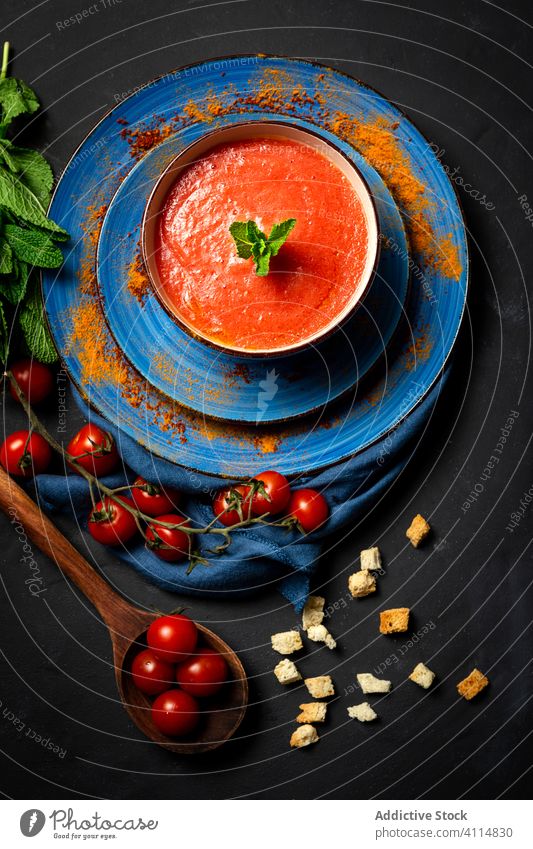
370,684
320,634
286,642
362,712
422,676
361,583
371,558
320,687
312,712
472,684
394,621
313,612
304,736
286,672
417,530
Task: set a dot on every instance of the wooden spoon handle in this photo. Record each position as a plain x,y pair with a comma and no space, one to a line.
21,509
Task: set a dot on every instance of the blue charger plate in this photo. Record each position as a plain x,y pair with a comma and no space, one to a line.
213,382
197,98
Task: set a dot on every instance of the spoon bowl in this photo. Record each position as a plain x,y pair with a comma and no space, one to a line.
221,714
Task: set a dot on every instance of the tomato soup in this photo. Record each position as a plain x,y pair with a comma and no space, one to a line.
313,279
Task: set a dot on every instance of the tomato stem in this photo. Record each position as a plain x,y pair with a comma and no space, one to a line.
91,494
93,482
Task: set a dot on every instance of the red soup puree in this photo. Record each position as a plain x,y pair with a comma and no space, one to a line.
313,278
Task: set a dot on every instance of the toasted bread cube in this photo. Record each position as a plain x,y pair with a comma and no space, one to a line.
362,583
362,712
371,558
472,684
417,530
286,642
286,672
304,736
312,712
422,676
313,612
394,621
320,687
370,684
320,634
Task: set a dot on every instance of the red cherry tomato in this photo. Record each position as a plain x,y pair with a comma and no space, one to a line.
95,450
150,674
172,638
170,544
23,455
309,508
35,380
226,501
203,674
175,713
275,497
112,524
154,500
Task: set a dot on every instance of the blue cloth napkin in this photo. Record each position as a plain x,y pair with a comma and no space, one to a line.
259,556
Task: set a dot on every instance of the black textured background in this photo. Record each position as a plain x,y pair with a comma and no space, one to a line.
461,71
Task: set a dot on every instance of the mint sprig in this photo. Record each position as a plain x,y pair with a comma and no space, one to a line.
27,236
251,242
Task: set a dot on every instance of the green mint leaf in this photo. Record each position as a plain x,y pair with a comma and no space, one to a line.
279,233
261,254
6,258
259,249
18,198
5,147
4,336
262,265
33,246
254,233
16,98
34,327
252,242
14,286
239,231
34,171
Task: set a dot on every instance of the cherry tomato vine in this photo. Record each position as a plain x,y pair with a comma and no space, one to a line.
264,500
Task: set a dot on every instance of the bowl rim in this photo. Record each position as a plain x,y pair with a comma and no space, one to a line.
150,217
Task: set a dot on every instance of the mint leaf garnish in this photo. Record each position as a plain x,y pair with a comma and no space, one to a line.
239,231
278,235
261,255
250,241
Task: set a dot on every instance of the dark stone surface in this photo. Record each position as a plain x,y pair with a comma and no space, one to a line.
463,78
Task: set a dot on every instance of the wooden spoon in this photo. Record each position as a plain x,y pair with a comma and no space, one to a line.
127,627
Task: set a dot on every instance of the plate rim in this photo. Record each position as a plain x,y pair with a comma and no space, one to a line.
467,280
318,408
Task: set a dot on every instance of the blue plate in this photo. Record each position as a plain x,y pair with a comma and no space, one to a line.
211,94
216,383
